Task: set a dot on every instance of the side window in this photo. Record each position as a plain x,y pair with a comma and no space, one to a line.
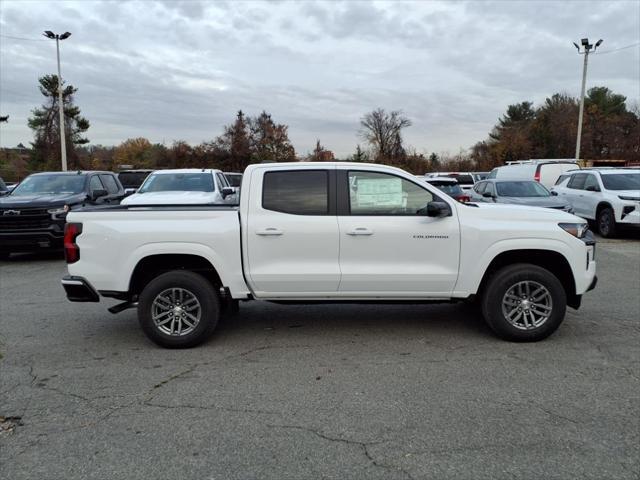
577,181
95,184
110,183
300,192
490,188
591,181
222,179
218,183
479,187
373,193
561,179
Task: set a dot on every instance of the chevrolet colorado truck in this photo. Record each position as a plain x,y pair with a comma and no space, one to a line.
329,232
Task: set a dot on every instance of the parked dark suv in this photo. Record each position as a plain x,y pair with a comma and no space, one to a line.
32,216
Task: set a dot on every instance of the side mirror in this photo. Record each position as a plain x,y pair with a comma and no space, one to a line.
592,188
554,193
98,193
226,191
487,195
4,192
129,191
435,209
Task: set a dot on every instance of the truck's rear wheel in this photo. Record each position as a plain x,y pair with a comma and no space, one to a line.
524,303
178,309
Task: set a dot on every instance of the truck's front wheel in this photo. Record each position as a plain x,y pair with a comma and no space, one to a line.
524,303
178,309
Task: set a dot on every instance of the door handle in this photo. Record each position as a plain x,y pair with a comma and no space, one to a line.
269,231
360,231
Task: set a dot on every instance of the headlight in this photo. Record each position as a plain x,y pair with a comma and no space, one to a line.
59,210
578,230
624,197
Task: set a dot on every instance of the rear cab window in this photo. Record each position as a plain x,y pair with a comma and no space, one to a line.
297,192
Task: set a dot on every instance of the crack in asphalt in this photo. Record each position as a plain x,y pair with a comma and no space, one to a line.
363,445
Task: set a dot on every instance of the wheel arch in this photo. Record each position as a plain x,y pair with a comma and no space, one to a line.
602,205
151,266
550,260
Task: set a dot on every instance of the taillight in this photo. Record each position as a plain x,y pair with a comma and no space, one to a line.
536,177
71,250
464,198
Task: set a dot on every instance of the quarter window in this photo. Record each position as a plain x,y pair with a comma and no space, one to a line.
591,181
479,187
373,193
301,192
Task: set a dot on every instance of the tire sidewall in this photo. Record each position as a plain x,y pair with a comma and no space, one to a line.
502,281
611,223
201,289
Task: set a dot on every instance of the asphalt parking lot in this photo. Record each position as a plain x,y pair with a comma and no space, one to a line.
307,392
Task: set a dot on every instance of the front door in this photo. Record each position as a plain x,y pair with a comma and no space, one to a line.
387,249
292,233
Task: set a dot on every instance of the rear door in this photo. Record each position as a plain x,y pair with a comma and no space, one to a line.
575,191
292,233
387,249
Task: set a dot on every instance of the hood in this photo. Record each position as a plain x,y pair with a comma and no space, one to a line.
172,198
40,201
549,202
502,211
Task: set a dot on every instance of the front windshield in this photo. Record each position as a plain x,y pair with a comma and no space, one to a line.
50,185
450,189
178,182
521,189
621,181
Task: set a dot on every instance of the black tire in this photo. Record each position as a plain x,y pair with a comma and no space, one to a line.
5,255
502,282
607,222
199,288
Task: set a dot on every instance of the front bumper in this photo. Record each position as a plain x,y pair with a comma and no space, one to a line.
51,238
79,290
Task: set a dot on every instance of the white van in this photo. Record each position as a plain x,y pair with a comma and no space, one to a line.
544,171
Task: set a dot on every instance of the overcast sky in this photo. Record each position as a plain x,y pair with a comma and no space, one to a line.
180,70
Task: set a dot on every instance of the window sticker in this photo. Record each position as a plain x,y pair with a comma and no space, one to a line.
378,192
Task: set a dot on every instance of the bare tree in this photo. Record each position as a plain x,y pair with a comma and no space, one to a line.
382,131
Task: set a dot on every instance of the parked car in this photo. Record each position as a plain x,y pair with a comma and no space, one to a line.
32,216
610,197
234,179
477,176
450,186
329,231
518,192
466,180
191,186
132,179
544,171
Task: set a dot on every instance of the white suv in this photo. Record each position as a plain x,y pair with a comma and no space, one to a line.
610,197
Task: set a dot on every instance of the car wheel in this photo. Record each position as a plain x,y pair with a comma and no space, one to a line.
178,309
607,222
524,303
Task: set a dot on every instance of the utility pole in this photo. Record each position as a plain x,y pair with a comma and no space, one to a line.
63,138
587,47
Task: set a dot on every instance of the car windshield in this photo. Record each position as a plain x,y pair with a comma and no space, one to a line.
132,179
521,189
449,188
50,185
621,181
462,179
178,182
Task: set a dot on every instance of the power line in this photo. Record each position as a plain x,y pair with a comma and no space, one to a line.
24,38
618,49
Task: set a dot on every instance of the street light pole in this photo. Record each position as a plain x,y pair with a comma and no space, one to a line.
587,49
63,142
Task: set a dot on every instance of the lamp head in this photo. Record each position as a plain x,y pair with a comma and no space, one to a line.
65,35
49,34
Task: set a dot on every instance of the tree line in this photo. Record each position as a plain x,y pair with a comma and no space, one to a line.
611,130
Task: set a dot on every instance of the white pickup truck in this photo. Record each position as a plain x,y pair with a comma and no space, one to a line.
329,232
